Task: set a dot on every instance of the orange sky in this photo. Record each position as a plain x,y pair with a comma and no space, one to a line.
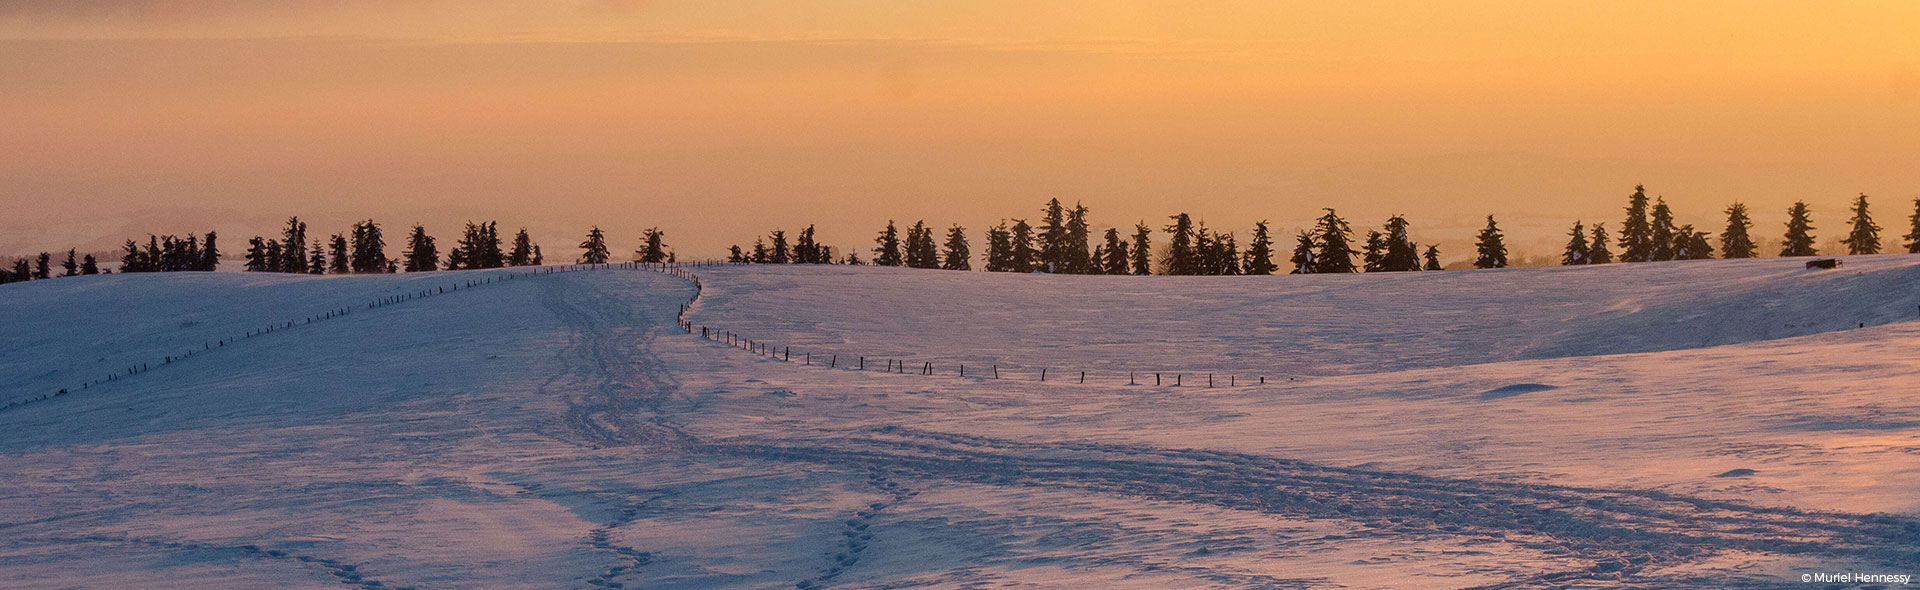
717,120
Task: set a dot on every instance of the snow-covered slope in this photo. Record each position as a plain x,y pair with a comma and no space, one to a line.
1720,423
1304,325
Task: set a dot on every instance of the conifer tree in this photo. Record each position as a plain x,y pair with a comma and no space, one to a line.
654,246
1180,258
1376,252
1662,232
22,270
886,251
735,255
593,250
1303,248
759,251
317,263
1636,234
274,256
1576,253
1913,235
1077,260
853,258
1204,253
72,266
1113,254
1402,254
340,258
1260,251
1025,258
1799,239
911,248
370,248
480,246
1433,258
958,256
150,259
209,254
522,254
1335,253
190,257
293,247
1226,254
89,266
806,250
921,252
1865,237
256,256
538,259
999,248
1597,252
1491,246
43,266
1141,249
780,253
422,254
1735,241
1698,248
1053,238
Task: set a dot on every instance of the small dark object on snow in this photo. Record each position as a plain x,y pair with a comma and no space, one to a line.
1827,263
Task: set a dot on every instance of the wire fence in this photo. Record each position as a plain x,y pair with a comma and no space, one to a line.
830,359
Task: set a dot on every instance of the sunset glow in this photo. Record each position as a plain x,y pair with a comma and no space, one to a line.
718,120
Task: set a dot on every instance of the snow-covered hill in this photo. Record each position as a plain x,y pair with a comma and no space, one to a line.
1717,423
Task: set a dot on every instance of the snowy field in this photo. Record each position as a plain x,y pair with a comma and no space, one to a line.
1673,425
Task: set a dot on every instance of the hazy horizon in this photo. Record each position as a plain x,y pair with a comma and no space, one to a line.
719,121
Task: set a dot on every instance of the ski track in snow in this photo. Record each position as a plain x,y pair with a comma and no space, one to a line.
626,388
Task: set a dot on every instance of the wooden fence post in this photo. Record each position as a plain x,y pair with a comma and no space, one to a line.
1043,374
1083,376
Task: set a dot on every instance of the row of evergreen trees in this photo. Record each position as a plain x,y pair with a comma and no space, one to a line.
171,254
363,249
653,247
41,267
1063,244
774,249
1650,235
